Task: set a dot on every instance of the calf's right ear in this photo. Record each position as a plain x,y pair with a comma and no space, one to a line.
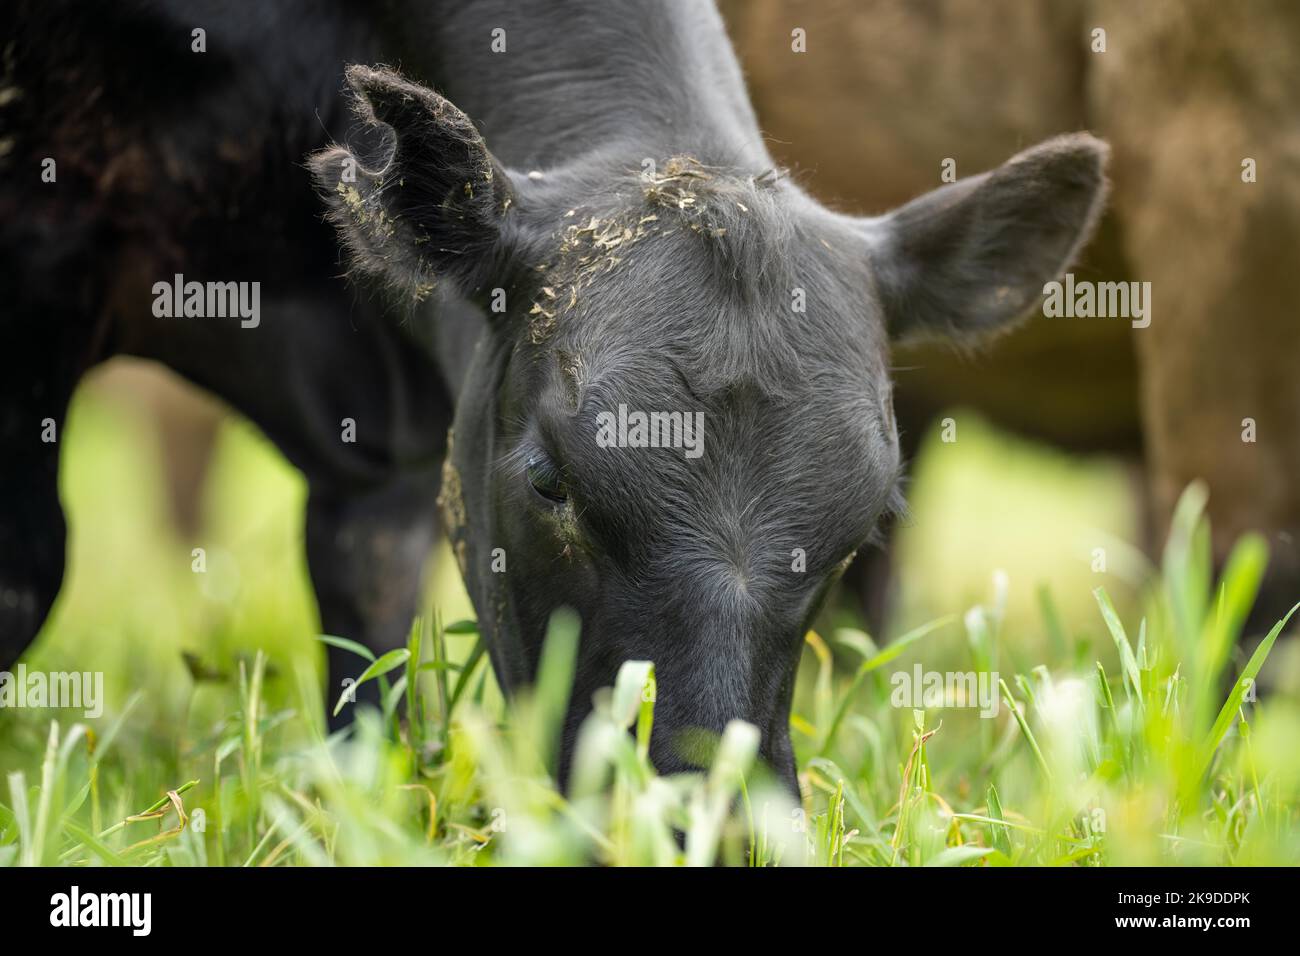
424,206
972,257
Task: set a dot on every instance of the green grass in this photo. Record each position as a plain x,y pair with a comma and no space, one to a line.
1128,731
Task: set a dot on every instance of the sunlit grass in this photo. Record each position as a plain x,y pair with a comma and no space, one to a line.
1126,733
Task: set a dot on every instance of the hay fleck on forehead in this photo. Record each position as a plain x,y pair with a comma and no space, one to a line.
683,196
705,200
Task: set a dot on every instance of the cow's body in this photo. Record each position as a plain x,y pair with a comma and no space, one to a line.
675,287
172,162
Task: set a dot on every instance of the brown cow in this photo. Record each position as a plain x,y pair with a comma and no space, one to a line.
1188,94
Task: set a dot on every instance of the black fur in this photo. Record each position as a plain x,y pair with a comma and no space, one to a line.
664,286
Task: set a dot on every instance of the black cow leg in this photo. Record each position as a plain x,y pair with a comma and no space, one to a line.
367,555
33,403
32,535
869,584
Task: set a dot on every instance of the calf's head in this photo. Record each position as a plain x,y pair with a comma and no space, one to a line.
679,422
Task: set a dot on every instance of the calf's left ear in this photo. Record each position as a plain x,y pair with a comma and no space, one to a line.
426,203
973,256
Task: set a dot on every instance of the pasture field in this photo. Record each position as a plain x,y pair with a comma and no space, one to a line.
1084,717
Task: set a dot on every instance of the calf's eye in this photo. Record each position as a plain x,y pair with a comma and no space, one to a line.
545,477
